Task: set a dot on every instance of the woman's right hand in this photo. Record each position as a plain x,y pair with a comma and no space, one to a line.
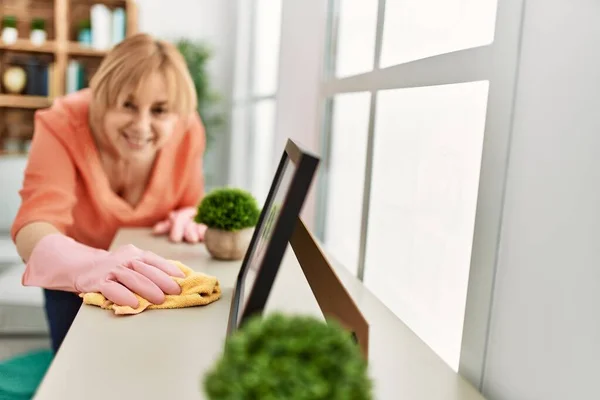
60,263
128,270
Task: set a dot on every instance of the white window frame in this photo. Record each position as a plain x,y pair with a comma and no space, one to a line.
496,63
246,18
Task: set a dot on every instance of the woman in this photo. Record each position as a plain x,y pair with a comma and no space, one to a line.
125,152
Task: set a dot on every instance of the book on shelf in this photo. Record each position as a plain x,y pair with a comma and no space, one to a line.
37,77
76,76
53,89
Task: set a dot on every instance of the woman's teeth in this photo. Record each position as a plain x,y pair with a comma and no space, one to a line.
136,142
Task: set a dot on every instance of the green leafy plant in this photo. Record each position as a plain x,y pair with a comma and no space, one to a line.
83,25
289,357
38,24
228,209
9,21
197,56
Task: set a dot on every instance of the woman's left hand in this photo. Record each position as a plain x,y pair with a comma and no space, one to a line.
181,226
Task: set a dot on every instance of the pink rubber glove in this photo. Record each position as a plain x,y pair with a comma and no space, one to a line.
181,226
60,263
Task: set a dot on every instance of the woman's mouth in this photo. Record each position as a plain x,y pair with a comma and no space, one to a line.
136,143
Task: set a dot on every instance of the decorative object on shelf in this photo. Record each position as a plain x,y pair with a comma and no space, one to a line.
38,31
14,79
118,25
230,215
101,18
84,33
9,29
290,357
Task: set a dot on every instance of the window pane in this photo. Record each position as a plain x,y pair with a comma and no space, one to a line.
356,37
345,180
423,28
242,50
267,32
263,148
427,156
239,160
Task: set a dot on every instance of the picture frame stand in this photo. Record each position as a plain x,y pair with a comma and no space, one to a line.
331,294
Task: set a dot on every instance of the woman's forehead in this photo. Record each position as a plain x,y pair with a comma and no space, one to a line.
147,93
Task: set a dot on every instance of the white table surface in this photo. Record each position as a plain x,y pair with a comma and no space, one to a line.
162,354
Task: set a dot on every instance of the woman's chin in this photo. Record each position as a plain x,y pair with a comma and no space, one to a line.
137,152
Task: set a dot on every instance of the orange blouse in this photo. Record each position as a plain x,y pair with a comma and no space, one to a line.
65,184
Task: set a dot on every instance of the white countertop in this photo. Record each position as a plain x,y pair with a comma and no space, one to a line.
162,354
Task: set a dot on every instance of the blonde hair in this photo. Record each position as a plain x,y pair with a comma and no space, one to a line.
129,63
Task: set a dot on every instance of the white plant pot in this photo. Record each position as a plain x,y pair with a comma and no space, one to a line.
10,35
226,245
38,37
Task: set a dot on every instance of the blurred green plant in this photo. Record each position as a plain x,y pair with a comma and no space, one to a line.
289,357
197,55
38,24
83,25
9,21
228,209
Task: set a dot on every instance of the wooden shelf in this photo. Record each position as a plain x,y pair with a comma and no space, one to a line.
75,49
21,101
62,20
25,46
110,3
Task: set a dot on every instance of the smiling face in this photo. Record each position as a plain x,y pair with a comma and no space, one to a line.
141,122
141,91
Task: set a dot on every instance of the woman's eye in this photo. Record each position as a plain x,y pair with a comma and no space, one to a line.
129,105
159,111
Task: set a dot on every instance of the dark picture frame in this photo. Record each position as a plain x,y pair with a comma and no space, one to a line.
279,228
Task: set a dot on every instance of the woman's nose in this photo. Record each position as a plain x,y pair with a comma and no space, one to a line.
142,123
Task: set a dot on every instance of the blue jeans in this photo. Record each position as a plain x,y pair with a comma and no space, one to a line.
61,309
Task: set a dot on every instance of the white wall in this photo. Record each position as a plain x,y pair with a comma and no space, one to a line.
544,341
213,21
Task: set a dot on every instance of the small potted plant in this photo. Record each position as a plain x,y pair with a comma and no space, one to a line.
9,29
230,215
38,31
289,357
84,33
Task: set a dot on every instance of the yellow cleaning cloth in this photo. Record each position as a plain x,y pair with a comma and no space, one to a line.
197,289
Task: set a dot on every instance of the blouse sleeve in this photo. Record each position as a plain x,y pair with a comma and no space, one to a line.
48,190
194,186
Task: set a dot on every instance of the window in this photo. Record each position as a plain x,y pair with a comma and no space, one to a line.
414,97
266,46
414,30
356,33
263,128
350,128
255,88
424,182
